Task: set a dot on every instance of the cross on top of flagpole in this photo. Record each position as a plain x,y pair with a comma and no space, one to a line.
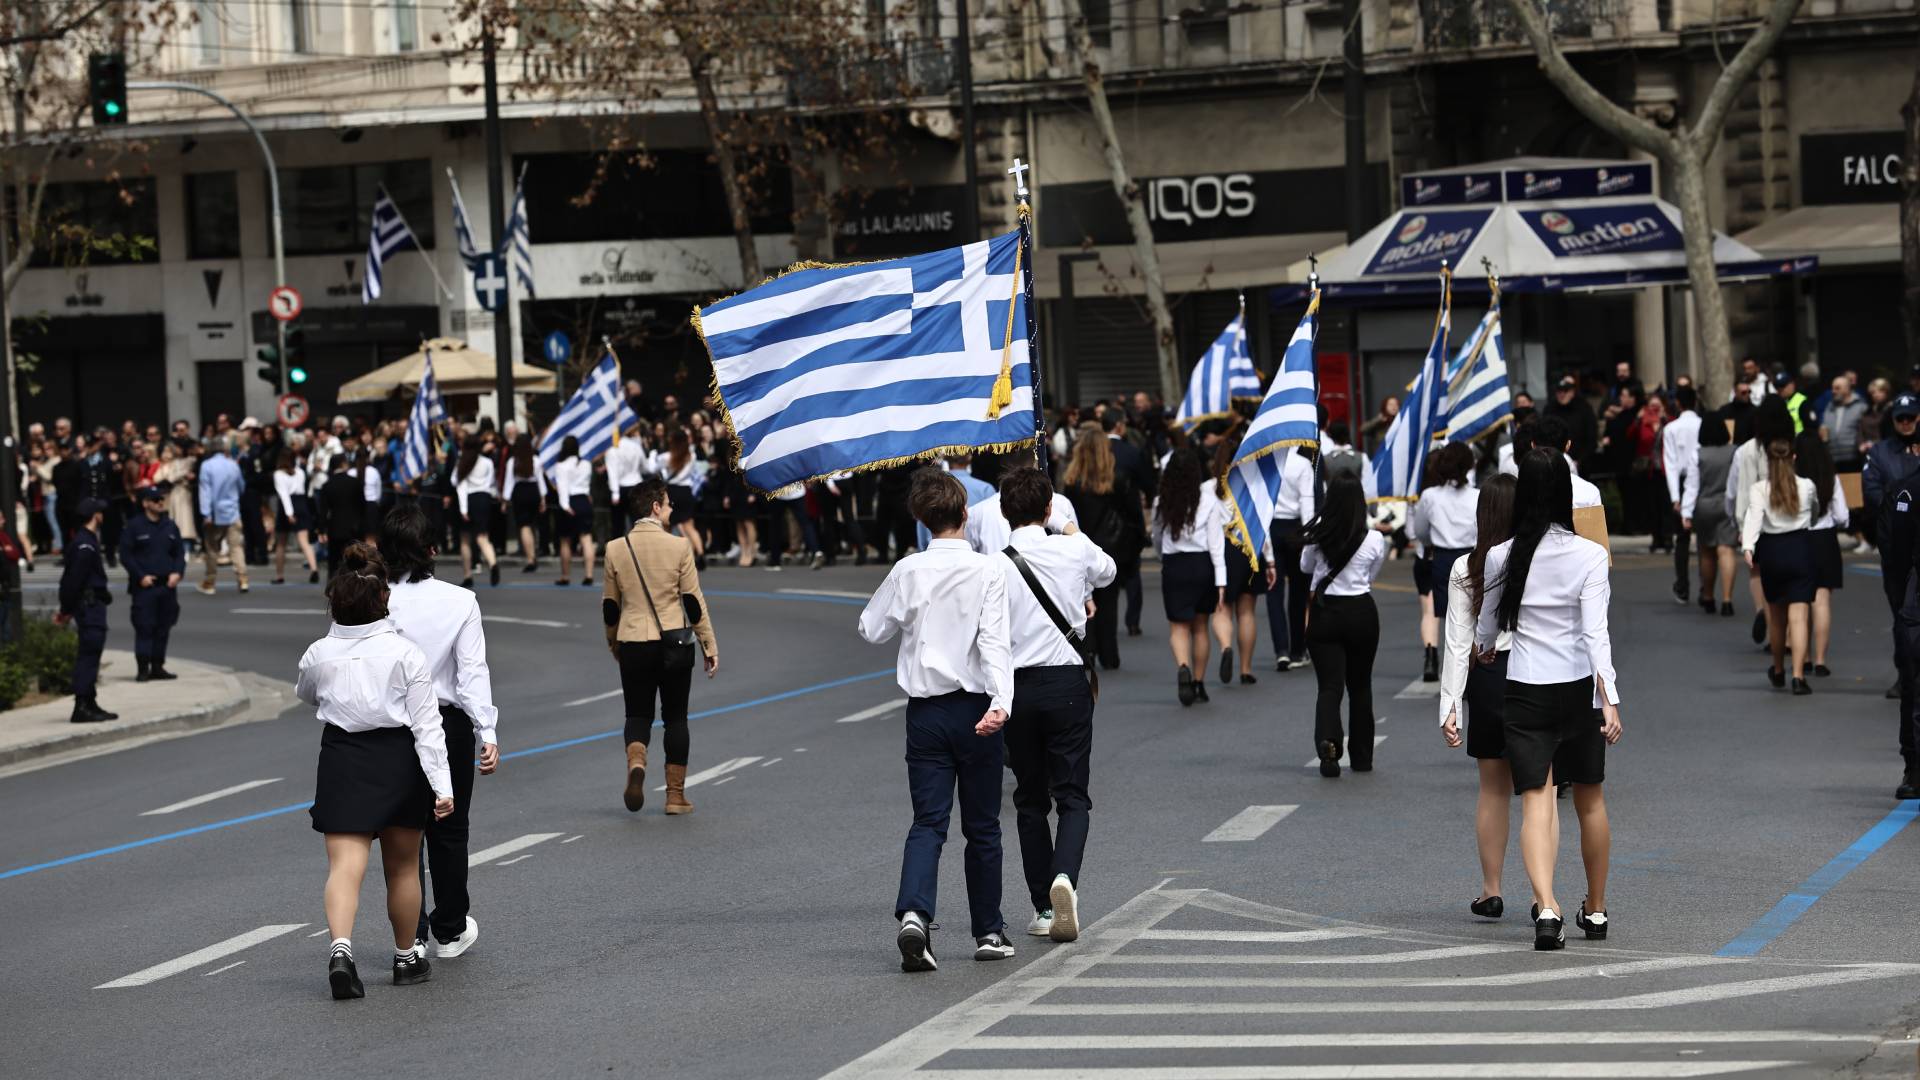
1019,174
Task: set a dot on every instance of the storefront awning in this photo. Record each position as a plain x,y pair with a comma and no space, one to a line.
1857,235
1239,263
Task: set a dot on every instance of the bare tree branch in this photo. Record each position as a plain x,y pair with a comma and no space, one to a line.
1610,118
58,30
1713,115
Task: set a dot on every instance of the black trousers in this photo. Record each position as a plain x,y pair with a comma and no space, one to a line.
1682,541
1906,646
894,522
1050,746
1287,607
642,679
336,547
1130,581
252,530
1104,627
1342,639
444,850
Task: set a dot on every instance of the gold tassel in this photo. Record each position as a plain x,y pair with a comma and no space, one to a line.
1003,386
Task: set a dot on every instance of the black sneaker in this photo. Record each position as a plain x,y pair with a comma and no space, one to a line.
994,946
1680,593
344,978
1909,786
1549,932
1281,663
1329,759
413,968
1593,922
916,943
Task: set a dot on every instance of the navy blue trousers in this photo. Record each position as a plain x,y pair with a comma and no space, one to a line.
155,610
92,625
943,754
1050,745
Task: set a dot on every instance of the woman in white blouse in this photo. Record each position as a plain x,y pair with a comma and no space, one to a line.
1776,536
1812,459
573,489
1341,557
1443,519
1548,588
383,768
293,516
473,487
1771,421
526,492
1190,532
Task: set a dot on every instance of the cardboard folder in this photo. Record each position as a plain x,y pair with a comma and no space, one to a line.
1591,522
1850,483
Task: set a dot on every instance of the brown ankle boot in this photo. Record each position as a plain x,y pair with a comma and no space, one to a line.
636,793
677,790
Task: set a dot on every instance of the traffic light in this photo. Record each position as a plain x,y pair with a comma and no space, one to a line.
269,357
296,355
107,88
296,375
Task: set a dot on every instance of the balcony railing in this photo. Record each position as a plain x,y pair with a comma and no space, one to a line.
863,73
1467,24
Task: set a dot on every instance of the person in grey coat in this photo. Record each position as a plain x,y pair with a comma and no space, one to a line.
1703,509
1840,425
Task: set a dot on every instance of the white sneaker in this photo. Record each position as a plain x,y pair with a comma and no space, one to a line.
447,950
1066,910
1042,924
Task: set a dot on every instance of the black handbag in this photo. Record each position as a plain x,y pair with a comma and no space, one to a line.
1060,622
676,646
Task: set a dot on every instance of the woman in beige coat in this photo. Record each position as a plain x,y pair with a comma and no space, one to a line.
651,590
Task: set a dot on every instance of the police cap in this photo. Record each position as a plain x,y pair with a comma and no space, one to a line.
1905,405
90,506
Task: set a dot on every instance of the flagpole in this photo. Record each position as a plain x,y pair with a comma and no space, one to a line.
1025,212
606,342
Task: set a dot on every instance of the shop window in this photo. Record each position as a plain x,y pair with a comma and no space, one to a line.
1207,37
98,223
326,210
677,194
213,216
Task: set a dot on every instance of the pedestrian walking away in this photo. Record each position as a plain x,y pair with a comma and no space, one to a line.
1680,453
1108,507
1771,423
221,487
1190,532
155,559
1703,511
293,517
383,765
1342,556
1812,460
1777,539
1548,589
443,622
573,487
1293,506
84,596
948,605
1051,582
651,582
1235,626
1443,521
526,490
473,487
340,508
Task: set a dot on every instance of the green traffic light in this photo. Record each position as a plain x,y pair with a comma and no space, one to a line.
112,108
297,375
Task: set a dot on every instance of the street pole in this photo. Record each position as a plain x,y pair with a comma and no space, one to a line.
969,206
497,215
10,594
1353,87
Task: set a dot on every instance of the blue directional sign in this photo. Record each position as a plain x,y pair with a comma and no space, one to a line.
557,347
490,281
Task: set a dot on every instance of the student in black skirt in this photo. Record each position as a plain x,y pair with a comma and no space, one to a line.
1423,583
1814,461
1247,581
573,490
527,491
473,489
1190,532
383,769
1777,537
293,517
1474,694
1342,555
1443,519
1548,588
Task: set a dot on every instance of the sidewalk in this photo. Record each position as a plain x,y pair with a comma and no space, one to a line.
203,696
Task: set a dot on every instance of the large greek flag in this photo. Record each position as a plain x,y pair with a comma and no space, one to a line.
462,228
1478,397
1224,375
388,236
595,414
830,369
428,410
1402,459
520,238
1289,416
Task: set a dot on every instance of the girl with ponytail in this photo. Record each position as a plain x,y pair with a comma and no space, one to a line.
1776,536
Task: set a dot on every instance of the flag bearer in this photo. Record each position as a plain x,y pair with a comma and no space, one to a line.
155,560
84,596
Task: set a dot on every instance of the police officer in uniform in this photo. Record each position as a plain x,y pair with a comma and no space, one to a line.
1890,483
84,596
155,560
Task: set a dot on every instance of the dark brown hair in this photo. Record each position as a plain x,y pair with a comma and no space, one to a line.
1026,496
938,501
643,498
357,595
1494,520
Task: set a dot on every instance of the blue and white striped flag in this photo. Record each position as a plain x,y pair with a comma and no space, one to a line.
462,229
1288,417
827,370
428,410
1402,459
387,236
520,238
595,414
1224,375
1478,397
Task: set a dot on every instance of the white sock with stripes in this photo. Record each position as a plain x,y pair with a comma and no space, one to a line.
341,947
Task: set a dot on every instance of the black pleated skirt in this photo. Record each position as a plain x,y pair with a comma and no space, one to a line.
1244,577
368,781
576,518
1787,566
1554,726
526,502
1829,572
1186,585
479,519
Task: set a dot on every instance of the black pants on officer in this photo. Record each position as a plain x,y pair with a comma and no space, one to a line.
92,625
155,609
1050,746
1906,646
444,851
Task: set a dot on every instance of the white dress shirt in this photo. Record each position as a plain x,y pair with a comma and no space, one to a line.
1208,532
626,464
1584,492
1294,501
1456,650
359,678
949,606
477,482
370,483
571,477
1762,517
444,621
288,484
1355,578
320,460
1447,517
1749,467
661,465
1069,568
1836,514
1680,450
514,479
1511,466
1562,630
989,533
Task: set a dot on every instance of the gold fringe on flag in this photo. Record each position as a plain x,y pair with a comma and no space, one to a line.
1003,386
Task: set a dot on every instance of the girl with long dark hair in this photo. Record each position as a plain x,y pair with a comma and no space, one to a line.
473,486
1108,509
1443,519
1475,693
1814,461
294,517
527,492
1190,532
1423,581
1703,510
1771,421
1548,588
573,487
1342,555
1247,580
683,471
1777,537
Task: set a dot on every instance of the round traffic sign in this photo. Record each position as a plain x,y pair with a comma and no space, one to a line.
284,303
292,410
557,347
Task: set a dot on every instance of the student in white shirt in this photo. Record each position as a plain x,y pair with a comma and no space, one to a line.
573,489
1287,605
948,603
473,488
443,621
1443,521
1814,461
1190,532
683,472
1771,421
526,492
1049,733
988,530
293,517
1473,694
1548,588
1680,457
627,464
383,765
371,489
1248,579
1776,536
1342,555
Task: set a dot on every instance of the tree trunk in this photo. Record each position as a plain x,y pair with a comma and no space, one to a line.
697,64
1714,365
1145,258
1910,222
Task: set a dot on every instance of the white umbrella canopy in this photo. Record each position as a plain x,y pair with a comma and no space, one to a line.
457,369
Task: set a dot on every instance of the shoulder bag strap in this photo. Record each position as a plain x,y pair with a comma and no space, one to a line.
644,591
1059,621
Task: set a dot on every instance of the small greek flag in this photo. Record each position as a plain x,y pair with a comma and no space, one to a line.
462,230
520,238
1224,375
428,410
1478,397
1402,460
831,369
1289,416
388,236
595,415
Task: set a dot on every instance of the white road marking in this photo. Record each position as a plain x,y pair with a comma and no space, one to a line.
1408,957
229,967
210,796
1249,824
571,839
771,761
1269,936
799,749
725,780
319,610
718,771
877,710
841,593
1399,982
501,851
1377,740
590,700
198,957
1517,1070
516,858
1395,1039
517,621
318,932
1417,689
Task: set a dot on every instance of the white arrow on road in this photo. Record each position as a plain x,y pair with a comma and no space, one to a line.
202,956
210,796
718,771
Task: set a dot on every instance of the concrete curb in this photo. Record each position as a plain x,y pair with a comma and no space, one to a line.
231,700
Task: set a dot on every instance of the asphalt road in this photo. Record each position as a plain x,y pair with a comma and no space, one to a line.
754,937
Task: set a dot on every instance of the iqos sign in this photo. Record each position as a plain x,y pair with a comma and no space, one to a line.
1201,206
1188,200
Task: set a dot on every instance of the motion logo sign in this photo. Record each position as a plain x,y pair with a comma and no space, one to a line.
1421,241
1604,230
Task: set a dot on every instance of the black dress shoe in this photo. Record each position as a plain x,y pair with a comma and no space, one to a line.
467,582
1777,677
530,568
1706,603
1593,922
1726,611
1430,667
1200,691
1549,933
1226,667
1909,786
493,574
1133,631
158,672
1800,688
344,978
1491,907
1329,759
1759,628
1186,691
414,969
313,577
1822,670
1248,680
